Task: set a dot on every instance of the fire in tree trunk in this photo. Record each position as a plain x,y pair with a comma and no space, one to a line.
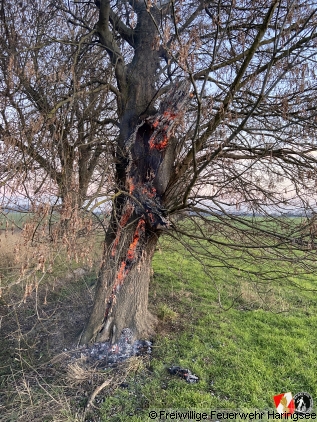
122,291
137,221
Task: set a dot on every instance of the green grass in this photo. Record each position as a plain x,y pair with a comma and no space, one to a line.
245,327
261,342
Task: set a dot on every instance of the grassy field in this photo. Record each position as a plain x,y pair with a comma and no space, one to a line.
260,342
246,342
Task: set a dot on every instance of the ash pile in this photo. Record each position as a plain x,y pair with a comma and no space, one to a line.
108,355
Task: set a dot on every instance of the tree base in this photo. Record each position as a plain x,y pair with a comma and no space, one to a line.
105,354
116,309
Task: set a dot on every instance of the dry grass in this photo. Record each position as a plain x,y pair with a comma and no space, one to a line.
25,266
8,244
254,296
34,400
61,391
46,299
32,332
39,381
78,373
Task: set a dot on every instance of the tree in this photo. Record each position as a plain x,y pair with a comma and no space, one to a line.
216,116
251,110
53,126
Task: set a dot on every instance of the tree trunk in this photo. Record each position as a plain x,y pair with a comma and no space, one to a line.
138,218
121,299
70,206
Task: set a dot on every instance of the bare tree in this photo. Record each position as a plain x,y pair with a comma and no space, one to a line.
215,105
241,136
56,119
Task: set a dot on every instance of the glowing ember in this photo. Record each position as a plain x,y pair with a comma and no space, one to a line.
126,265
123,221
151,191
145,153
151,216
126,215
136,237
130,185
169,114
160,146
121,274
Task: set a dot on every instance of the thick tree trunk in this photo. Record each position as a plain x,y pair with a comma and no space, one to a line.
121,298
137,220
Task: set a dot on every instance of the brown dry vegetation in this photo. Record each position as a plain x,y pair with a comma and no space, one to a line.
42,313
32,333
7,252
40,377
41,323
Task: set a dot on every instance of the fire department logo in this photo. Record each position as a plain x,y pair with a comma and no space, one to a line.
303,403
284,403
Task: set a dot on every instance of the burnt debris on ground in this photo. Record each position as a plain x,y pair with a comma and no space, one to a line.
183,373
106,354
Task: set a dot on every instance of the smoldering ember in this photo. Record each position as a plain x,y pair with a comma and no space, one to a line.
106,354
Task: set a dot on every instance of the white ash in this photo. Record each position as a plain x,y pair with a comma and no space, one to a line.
106,354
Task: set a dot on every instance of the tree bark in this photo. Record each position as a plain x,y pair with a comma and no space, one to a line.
144,160
138,218
121,298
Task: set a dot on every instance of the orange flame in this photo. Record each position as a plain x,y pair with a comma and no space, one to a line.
121,274
123,221
160,146
136,237
169,114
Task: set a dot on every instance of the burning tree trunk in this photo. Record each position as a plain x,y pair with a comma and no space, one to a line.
122,292
138,219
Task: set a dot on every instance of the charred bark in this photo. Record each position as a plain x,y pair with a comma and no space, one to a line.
138,219
121,298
